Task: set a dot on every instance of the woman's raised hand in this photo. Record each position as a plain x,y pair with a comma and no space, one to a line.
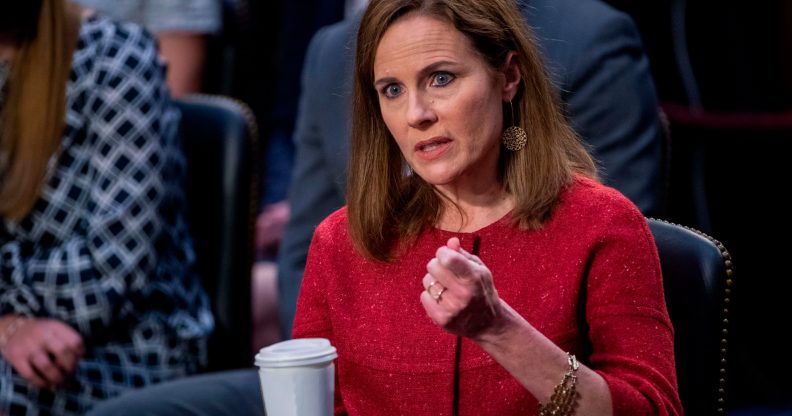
459,295
44,351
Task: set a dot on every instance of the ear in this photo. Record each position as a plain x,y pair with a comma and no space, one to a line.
511,71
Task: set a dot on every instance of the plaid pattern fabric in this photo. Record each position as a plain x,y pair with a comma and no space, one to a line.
105,248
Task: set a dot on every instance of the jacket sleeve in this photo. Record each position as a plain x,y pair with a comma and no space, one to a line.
631,336
312,318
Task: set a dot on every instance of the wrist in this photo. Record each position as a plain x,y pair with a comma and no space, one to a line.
504,321
9,325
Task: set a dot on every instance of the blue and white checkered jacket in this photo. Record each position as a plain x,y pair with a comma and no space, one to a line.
106,248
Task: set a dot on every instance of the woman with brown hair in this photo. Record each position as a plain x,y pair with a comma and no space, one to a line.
465,178
96,293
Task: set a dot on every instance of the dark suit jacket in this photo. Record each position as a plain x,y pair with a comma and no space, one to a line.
597,63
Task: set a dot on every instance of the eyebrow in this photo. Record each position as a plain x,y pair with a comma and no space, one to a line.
421,74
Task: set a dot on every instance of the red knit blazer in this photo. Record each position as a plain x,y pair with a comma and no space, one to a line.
589,280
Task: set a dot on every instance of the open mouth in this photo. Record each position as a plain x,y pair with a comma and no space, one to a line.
433,144
429,147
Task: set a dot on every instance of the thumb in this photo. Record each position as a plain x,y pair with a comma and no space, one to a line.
454,244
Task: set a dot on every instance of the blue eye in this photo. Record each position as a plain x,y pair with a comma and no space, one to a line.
392,90
441,79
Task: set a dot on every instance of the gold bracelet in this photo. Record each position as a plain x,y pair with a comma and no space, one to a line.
10,330
564,398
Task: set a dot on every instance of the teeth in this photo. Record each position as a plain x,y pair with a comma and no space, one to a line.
430,147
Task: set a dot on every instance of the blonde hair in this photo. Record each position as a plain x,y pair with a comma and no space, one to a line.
33,115
384,205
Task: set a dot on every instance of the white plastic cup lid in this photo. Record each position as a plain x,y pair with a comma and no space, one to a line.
296,353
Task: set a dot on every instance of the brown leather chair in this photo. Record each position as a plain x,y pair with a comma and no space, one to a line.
219,138
697,276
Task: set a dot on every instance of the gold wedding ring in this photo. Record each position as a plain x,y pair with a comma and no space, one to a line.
435,296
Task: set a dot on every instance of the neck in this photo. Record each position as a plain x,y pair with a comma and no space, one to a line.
467,210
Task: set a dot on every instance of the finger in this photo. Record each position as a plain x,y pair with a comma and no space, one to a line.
434,288
452,301
65,338
64,356
427,281
27,372
75,343
79,349
456,263
472,257
441,274
432,285
455,245
46,367
434,310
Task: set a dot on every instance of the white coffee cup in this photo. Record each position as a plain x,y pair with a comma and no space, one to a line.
297,377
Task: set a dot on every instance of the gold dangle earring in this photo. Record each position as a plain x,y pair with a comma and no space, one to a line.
514,137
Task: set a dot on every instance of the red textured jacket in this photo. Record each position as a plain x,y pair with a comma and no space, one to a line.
589,280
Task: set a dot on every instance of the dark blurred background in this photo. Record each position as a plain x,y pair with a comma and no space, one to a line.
728,98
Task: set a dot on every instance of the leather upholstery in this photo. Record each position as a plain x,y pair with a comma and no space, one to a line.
219,138
697,280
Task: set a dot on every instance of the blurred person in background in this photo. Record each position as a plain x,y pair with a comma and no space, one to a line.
296,22
181,28
96,290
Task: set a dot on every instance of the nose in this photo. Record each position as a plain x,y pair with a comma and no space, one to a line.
420,111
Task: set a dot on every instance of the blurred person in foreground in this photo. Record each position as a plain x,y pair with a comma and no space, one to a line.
96,290
471,200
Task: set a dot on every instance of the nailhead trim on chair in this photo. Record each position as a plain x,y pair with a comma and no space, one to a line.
727,261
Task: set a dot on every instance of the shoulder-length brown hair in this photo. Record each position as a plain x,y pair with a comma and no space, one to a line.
33,116
385,206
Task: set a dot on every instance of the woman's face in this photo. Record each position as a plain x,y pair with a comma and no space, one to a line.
441,101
